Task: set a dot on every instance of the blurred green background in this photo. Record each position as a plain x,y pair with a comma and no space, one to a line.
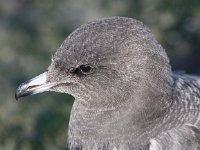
32,30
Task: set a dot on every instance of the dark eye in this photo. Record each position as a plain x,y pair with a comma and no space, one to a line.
83,69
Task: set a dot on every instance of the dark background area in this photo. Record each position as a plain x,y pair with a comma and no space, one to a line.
32,30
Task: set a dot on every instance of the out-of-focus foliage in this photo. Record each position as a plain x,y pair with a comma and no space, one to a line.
32,30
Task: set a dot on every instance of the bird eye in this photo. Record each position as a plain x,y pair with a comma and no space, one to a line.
82,69
85,68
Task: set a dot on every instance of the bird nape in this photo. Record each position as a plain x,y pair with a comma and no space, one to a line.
126,96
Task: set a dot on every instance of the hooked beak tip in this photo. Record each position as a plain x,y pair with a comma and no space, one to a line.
33,86
16,96
21,91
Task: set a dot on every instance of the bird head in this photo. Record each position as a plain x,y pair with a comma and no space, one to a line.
105,59
108,64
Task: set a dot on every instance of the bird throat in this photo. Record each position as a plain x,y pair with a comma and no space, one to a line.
120,128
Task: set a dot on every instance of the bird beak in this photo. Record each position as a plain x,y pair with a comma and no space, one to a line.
33,86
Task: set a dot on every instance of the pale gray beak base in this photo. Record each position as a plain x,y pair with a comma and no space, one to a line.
36,85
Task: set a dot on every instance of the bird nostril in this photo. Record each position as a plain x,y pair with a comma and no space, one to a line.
33,86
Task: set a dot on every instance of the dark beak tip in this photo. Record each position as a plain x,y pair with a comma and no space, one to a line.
31,86
16,96
20,92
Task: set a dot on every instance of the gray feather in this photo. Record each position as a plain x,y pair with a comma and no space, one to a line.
186,136
126,98
132,96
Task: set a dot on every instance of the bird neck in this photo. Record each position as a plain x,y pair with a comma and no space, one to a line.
123,126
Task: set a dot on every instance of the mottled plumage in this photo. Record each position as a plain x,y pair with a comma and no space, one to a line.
126,97
185,133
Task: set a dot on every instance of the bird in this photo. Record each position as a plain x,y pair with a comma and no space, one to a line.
126,95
